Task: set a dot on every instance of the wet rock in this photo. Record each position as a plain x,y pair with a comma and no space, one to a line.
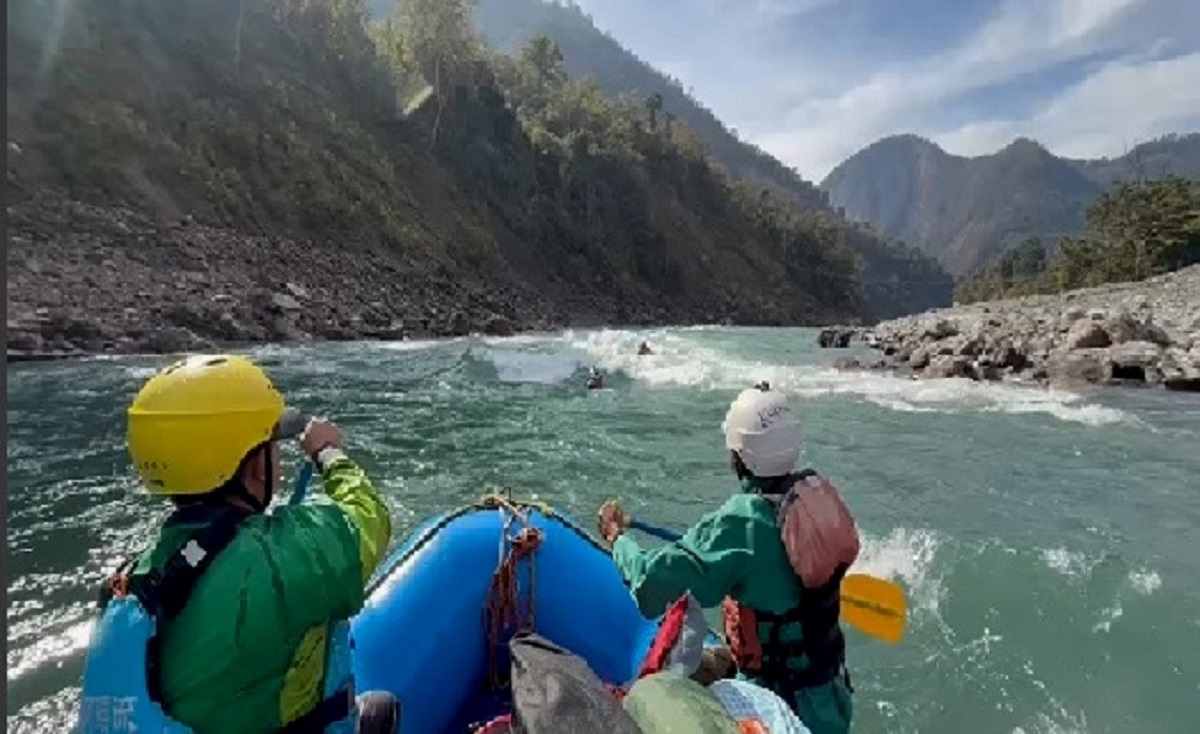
836,337
846,363
1078,366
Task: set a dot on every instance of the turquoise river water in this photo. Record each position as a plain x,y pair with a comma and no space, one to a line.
1048,541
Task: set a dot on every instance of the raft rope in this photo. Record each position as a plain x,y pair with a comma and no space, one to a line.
502,608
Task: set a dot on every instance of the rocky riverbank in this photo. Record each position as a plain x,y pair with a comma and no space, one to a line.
1144,333
84,279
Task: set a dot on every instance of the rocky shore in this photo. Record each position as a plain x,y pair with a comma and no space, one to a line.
1144,333
84,280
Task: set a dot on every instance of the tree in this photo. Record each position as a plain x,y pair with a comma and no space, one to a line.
438,41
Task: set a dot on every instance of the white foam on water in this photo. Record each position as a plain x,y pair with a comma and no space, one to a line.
1108,615
1072,564
140,372
1145,581
411,345
679,360
905,556
500,341
1057,721
49,648
952,396
548,368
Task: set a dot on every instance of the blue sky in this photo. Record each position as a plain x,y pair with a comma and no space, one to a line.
813,81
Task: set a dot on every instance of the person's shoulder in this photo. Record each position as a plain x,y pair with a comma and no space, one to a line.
315,512
746,505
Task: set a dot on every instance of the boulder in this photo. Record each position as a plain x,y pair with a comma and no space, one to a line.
1087,334
836,337
1136,361
940,329
1078,366
497,325
949,365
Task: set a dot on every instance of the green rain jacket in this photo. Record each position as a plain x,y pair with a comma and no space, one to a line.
733,551
247,653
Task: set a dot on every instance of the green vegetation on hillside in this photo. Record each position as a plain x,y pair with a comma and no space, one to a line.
298,117
895,279
616,187
588,52
1135,231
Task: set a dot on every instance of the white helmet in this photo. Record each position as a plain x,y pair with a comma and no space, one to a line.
761,427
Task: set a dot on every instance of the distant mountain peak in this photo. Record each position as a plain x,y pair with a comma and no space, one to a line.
966,211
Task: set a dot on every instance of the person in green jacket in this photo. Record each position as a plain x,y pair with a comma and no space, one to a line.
735,555
261,643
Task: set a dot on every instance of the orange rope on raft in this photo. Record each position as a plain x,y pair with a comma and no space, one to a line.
502,607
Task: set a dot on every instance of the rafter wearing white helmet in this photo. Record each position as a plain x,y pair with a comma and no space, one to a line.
761,427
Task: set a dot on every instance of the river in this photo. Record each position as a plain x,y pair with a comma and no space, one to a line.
1049,542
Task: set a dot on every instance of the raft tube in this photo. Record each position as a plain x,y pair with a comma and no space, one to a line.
422,636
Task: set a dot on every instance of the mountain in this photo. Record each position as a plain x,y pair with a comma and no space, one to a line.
478,188
507,25
968,211
895,279
1176,154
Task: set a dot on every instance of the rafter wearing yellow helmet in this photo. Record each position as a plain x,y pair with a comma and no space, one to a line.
192,425
249,611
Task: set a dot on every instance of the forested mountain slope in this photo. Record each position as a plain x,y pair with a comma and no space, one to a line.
490,187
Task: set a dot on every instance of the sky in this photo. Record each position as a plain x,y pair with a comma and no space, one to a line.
814,81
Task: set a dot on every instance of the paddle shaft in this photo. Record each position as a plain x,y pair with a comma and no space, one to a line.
654,530
302,482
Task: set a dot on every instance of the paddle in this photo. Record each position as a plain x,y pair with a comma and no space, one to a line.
302,482
875,606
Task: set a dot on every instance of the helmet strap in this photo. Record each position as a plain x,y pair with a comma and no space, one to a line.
235,487
268,478
739,468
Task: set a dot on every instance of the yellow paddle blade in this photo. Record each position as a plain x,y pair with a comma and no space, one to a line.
875,606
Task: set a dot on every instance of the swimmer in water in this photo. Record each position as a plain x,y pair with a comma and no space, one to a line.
595,380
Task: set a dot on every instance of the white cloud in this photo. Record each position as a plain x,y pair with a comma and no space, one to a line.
1021,37
812,112
1120,105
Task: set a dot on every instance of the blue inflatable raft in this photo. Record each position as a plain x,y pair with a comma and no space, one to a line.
435,601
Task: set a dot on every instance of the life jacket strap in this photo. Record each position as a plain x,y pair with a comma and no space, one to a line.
164,592
332,709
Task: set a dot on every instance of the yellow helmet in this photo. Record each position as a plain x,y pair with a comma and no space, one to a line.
191,425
